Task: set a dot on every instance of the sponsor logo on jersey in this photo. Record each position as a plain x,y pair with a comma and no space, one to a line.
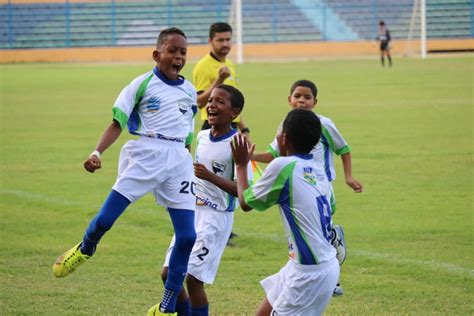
309,176
153,105
205,201
218,167
291,249
183,106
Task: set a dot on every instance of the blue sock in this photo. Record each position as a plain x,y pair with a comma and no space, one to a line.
200,311
185,235
112,208
183,308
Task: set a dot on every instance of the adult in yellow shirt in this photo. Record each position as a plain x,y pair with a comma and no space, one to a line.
215,69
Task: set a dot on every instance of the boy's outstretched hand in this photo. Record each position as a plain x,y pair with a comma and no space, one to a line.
355,185
242,150
92,164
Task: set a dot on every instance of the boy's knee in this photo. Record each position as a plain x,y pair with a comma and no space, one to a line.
192,282
185,240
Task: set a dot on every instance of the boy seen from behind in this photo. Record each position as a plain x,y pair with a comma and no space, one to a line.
303,95
305,284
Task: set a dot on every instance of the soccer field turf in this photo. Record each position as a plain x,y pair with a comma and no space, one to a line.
409,235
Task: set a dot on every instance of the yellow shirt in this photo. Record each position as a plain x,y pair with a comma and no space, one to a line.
205,73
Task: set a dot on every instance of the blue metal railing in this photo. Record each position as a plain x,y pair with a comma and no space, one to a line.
134,23
472,18
113,18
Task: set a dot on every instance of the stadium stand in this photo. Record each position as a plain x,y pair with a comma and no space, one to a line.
276,21
445,18
136,23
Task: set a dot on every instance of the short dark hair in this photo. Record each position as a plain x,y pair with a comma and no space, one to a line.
219,27
307,84
381,23
236,97
303,130
167,32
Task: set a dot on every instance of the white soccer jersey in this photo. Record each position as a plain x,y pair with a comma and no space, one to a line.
153,105
331,141
215,153
291,183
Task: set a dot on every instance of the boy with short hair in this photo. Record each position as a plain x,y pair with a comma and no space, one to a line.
215,197
303,95
159,106
305,284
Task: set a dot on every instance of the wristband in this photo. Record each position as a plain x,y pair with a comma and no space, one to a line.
245,130
95,153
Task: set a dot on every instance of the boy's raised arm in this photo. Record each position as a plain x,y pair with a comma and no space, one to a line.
262,157
242,153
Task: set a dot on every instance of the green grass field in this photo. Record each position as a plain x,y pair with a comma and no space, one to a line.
409,235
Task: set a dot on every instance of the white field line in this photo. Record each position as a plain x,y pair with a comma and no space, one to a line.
386,257
431,264
33,196
42,198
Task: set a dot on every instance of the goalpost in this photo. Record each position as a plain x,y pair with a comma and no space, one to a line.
235,20
423,28
417,29
418,14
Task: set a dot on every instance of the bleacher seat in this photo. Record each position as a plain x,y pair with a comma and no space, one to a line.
137,23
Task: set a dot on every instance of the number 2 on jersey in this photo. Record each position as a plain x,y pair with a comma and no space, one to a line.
202,255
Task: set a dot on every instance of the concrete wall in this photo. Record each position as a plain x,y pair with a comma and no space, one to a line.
310,50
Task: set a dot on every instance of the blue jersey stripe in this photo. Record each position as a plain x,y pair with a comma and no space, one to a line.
231,201
306,256
327,157
134,122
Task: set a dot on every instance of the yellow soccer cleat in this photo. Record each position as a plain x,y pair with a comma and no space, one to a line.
69,261
155,311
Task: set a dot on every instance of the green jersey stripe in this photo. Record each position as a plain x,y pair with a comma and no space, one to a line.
274,194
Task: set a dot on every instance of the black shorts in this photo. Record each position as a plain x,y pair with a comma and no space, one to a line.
384,46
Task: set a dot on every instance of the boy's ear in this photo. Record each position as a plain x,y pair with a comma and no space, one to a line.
235,112
315,101
156,56
289,99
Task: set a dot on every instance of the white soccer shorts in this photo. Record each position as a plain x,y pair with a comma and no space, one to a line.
301,290
213,229
162,167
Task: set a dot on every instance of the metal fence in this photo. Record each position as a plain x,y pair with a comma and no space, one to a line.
137,23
